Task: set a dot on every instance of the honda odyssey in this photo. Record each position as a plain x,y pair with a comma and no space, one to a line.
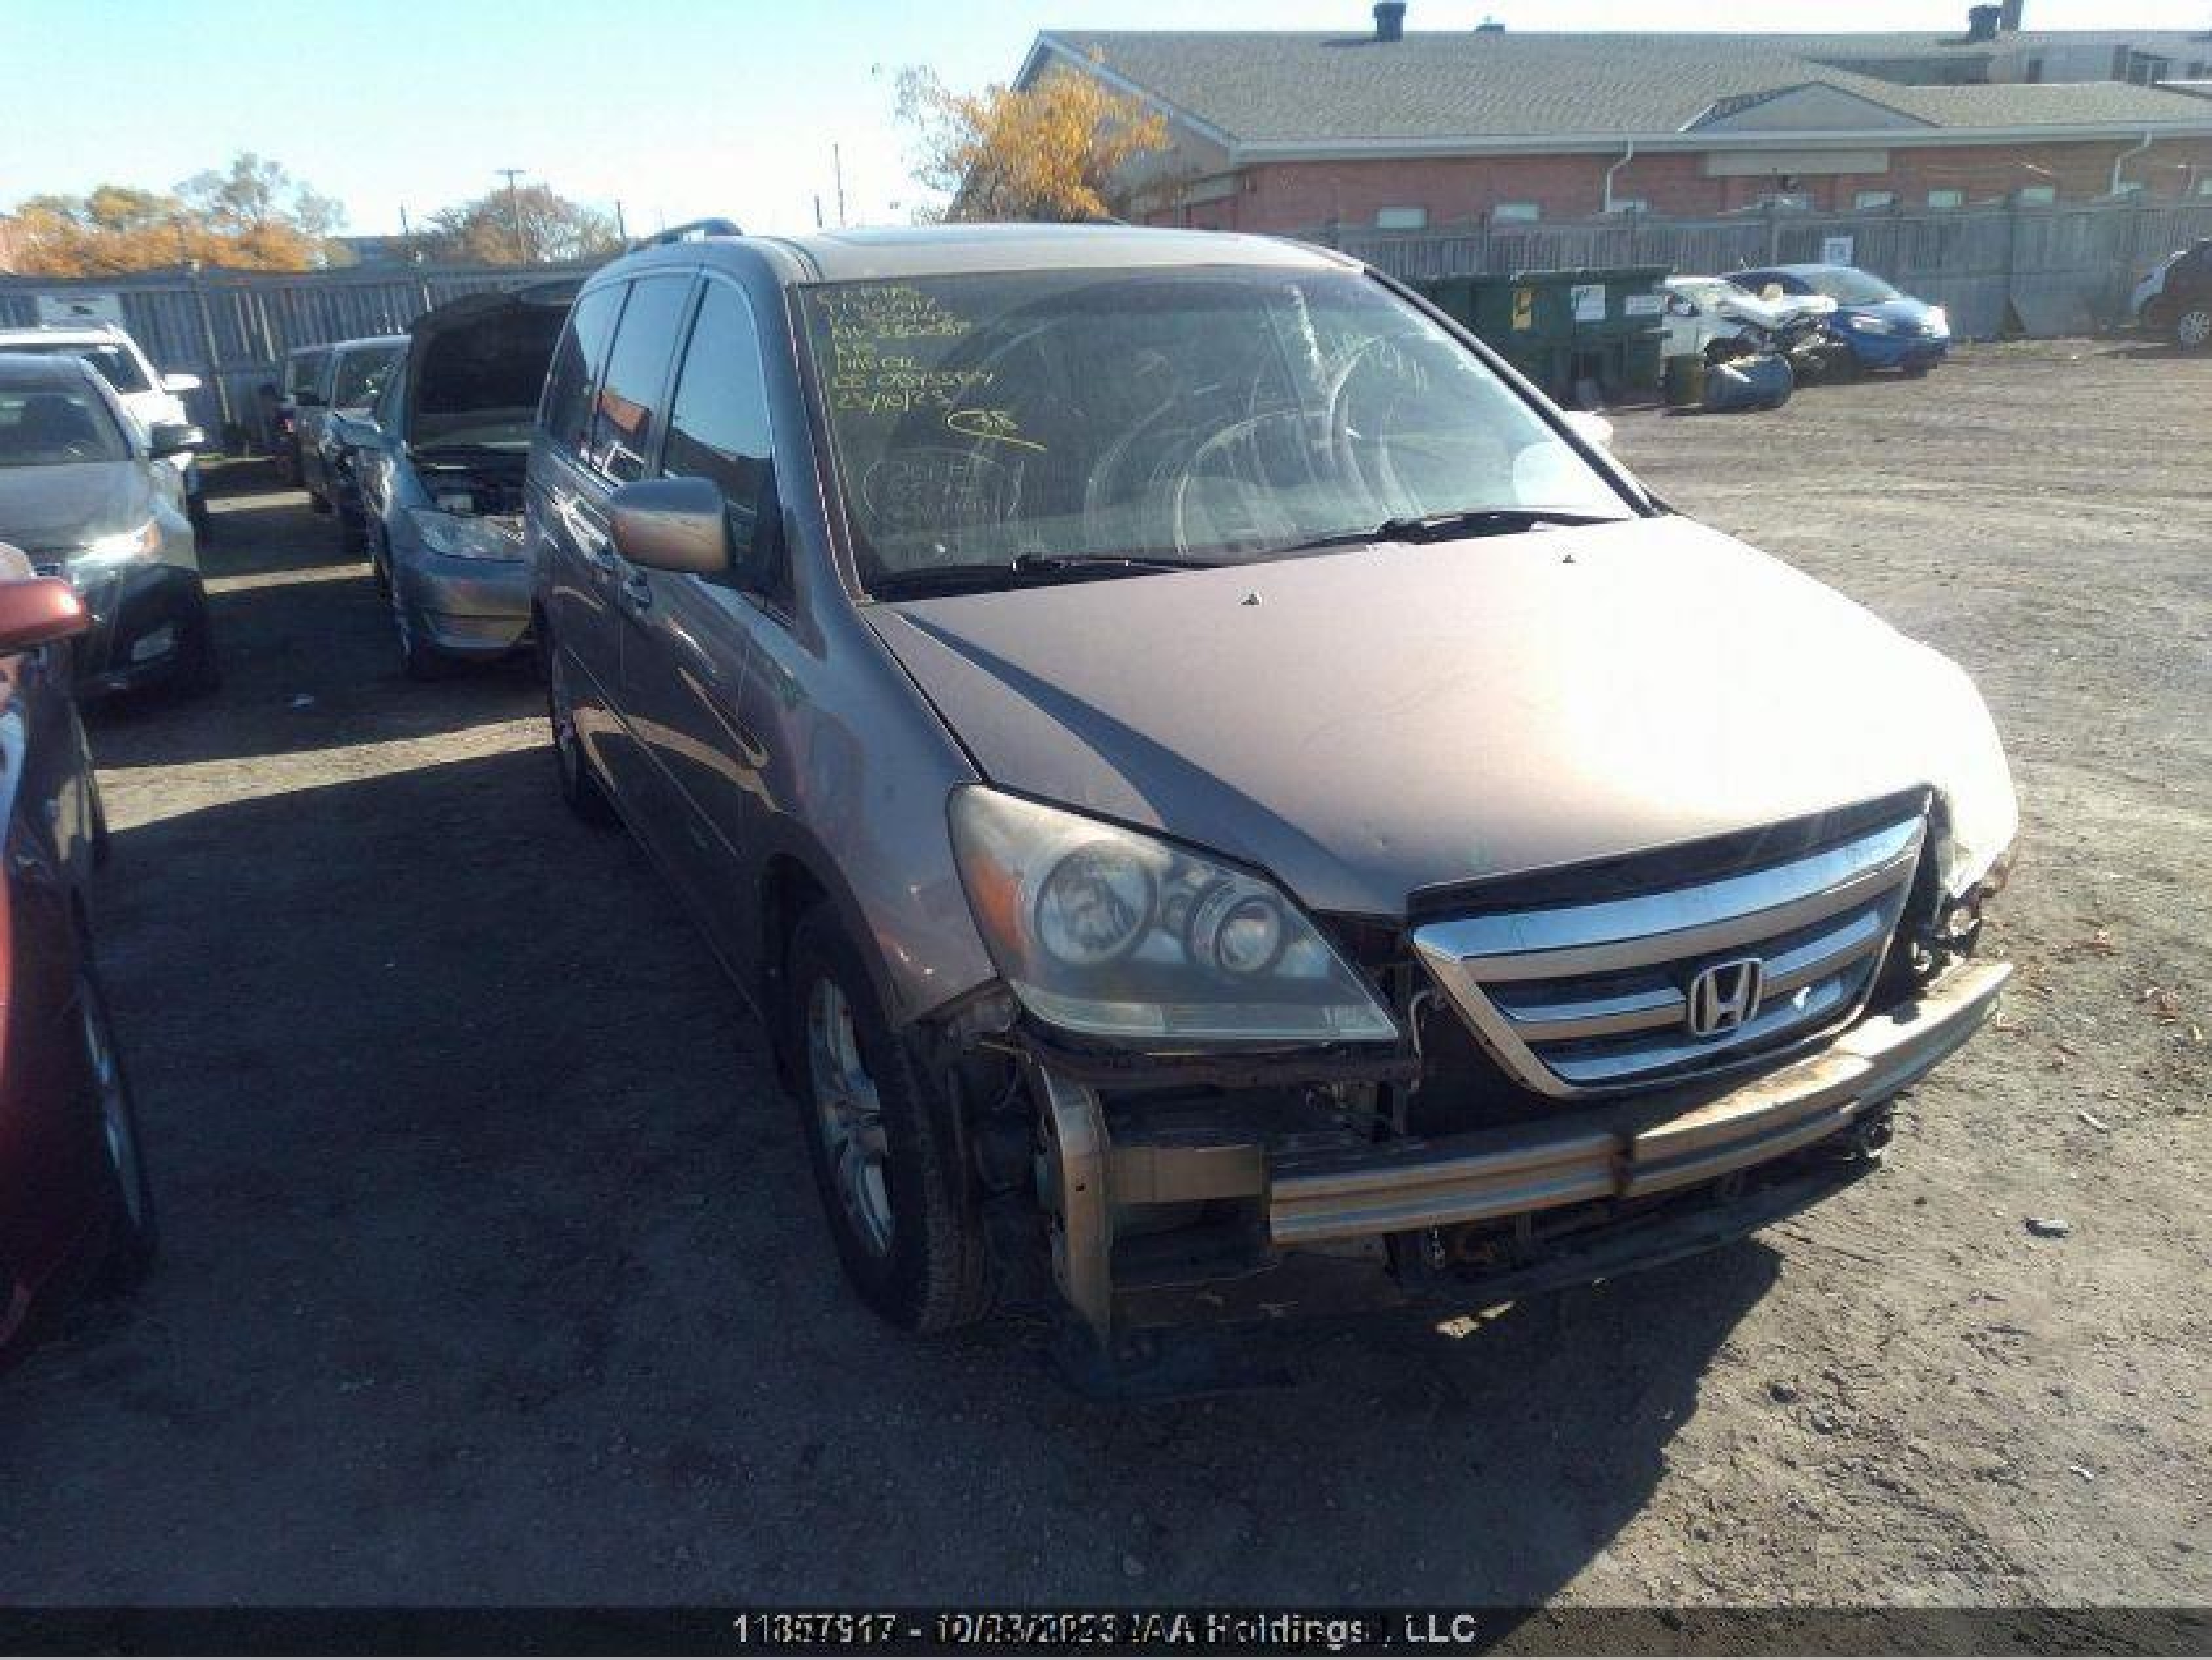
1231,804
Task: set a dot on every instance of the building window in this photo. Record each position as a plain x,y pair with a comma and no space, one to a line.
2036,196
2204,185
1401,218
1867,200
1516,213
1946,198
1631,204
2129,188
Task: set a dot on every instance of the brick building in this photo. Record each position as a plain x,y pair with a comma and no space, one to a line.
1391,130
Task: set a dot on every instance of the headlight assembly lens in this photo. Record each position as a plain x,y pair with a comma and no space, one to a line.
1107,932
459,538
1094,906
139,544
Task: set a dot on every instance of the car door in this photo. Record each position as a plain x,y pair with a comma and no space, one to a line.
314,415
568,525
687,651
621,438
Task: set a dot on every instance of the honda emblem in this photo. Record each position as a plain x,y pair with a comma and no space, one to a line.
1723,996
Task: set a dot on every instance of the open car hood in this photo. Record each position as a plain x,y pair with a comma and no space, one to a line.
1367,724
484,356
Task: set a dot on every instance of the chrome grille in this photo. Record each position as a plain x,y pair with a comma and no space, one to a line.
1593,998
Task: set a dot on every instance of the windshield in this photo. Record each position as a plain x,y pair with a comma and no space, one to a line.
1847,287
1199,414
117,366
55,426
361,376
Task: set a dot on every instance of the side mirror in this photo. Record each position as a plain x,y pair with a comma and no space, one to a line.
175,438
678,525
38,611
1593,429
180,383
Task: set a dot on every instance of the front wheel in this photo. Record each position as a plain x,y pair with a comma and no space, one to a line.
2192,329
901,1218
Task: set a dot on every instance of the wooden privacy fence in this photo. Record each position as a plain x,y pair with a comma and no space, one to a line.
2040,270
232,328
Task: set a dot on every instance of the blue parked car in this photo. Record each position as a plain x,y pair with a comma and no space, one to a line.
1886,330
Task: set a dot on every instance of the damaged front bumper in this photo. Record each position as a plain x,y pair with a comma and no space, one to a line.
1575,1194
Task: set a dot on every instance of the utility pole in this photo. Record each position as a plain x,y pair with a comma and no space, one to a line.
621,228
837,167
514,210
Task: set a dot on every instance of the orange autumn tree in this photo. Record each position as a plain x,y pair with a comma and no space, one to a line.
252,215
1050,151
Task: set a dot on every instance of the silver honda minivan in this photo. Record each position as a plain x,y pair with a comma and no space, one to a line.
1231,804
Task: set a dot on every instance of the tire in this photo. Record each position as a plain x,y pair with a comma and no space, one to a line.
900,1211
580,790
1918,371
2192,328
133,1235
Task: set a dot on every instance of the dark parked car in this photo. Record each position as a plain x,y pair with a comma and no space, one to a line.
75,1207
1229,804
440,470
92,497
348,382
2175,297
1884,328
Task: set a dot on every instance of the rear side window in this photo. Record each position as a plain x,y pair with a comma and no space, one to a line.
306,373
626,415
718,427
577,362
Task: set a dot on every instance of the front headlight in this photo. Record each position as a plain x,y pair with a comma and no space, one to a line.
141,543
1939,320
462,538
1981,813
1105,932
1866,325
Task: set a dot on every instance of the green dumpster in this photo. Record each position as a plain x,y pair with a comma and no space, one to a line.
1572,332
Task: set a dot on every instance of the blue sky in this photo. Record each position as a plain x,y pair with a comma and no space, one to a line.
677,108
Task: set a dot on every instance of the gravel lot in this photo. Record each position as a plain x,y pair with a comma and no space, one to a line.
493,1272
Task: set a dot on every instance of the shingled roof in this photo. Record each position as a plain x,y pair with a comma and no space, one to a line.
1256,90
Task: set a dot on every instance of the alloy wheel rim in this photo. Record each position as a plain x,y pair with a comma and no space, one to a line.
2195,327
849,1115
114,1108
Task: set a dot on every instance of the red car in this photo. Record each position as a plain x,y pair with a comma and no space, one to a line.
75,1210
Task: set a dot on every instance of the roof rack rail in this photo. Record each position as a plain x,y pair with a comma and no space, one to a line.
688,229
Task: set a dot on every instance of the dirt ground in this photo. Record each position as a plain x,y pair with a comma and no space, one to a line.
493,1272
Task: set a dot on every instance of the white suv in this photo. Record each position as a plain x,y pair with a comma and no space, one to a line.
147,395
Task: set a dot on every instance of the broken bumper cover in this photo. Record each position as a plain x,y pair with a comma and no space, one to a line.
1327,1218
1634,1149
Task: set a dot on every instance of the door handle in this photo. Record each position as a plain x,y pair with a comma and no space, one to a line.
591,542
636,592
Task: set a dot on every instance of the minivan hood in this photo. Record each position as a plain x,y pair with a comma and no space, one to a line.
57,508
1366,724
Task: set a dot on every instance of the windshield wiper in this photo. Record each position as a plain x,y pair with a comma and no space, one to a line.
1025,569
1460,521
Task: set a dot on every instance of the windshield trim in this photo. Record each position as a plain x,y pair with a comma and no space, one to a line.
830,473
